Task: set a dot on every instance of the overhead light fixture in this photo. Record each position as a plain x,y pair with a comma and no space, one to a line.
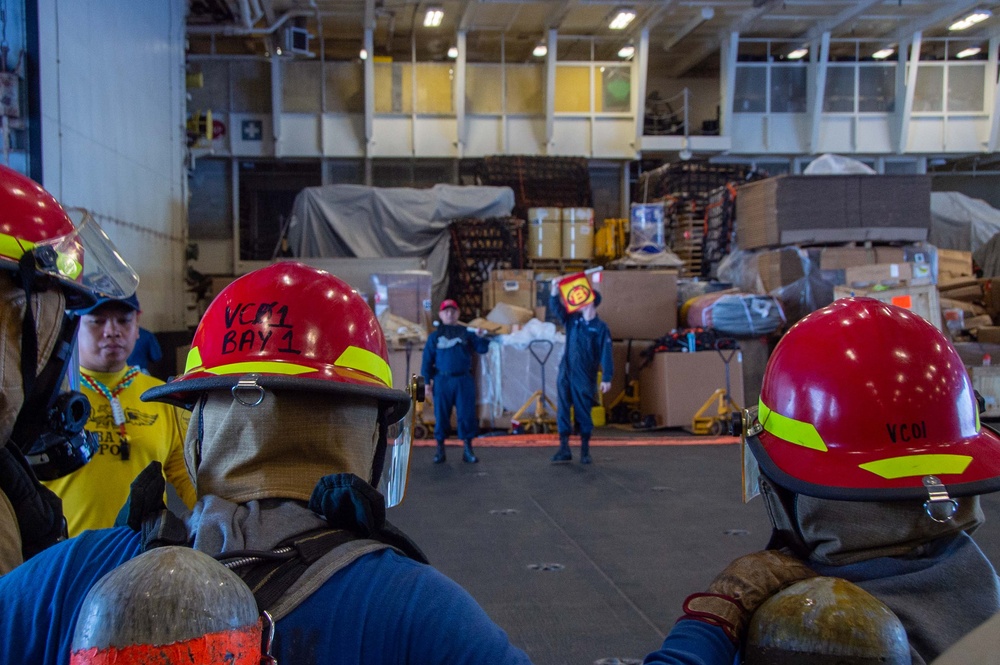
882,54
622,18
433,17
977,16
540,50
453,52
969,52
363,54
798,54
626,51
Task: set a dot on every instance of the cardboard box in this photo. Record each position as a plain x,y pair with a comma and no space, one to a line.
398,365
954,263
889,274
814,209
407,294
988,334
922,300
841,258
511,287
638,304
676,385
779,267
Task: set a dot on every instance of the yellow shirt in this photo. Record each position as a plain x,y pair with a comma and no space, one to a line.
93,495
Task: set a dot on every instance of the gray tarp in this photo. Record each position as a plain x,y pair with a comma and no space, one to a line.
961,222
360,221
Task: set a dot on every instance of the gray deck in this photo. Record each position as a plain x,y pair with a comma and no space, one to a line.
584,565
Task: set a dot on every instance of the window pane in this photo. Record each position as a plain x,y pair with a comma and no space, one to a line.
615,84
572,89
877,89
434,88
788,89
929,94
300,86
526,89
345,87
483,88
965,87
748,96
839,95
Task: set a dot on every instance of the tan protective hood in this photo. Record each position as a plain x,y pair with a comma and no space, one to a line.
281,447
843,532
49,307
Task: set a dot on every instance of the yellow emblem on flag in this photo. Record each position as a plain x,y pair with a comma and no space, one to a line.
576,292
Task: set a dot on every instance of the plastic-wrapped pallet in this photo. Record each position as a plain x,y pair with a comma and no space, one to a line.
738,314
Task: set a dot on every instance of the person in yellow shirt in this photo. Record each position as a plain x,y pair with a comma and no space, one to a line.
131,433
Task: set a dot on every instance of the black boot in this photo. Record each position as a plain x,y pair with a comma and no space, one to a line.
585,449
440,456
467,455
563,454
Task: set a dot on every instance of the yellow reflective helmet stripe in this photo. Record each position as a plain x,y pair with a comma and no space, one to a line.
12,247
16,248
918,465
364,360
353,357
791,430
193,360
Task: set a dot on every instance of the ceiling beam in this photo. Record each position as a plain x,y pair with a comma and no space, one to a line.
464,23
555,18
833,23
745,20
650,20
706,14
949,11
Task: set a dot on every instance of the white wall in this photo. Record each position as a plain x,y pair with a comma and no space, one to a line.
113,140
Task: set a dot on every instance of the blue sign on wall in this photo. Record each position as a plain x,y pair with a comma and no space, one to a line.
252,130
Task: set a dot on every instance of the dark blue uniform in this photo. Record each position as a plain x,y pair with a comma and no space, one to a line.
588,347
448,363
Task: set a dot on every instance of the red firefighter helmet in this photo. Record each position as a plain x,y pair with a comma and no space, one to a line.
32,221
867,401
291,327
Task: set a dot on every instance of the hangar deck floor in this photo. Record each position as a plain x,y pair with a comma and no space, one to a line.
589,564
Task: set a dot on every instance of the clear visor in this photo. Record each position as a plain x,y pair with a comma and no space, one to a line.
399,438
397,460
88,257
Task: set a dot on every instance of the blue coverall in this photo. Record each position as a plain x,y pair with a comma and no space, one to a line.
588,347
448,363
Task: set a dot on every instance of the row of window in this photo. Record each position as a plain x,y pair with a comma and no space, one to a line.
957,87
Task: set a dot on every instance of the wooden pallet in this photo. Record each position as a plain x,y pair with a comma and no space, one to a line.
563,265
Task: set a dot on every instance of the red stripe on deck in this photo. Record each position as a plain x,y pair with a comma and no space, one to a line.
546,440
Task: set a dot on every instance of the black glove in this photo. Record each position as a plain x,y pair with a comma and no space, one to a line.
738,590
38,509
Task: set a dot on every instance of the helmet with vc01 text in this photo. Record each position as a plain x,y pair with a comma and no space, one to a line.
292,327
867,401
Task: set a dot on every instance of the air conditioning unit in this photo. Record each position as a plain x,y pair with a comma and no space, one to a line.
297,41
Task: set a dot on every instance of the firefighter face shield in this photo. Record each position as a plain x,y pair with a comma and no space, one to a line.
84,261
399,439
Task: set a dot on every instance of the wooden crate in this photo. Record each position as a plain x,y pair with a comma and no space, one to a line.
922,300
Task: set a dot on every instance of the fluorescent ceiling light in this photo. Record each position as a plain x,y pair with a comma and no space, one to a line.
622,19
363,54
433,17
626,51
453,52
978,16
968,52
798,54
541,50
883,53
